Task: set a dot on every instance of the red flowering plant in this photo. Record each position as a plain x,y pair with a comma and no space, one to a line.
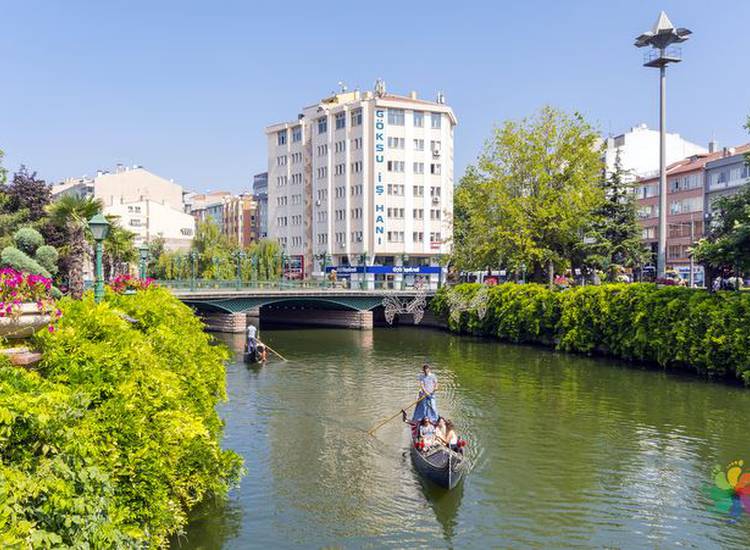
18,288
124,283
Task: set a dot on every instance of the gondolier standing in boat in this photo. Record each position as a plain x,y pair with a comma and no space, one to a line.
252,341
428,385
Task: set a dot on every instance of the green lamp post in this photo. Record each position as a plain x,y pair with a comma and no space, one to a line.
99,227
193,258
239,255
143,250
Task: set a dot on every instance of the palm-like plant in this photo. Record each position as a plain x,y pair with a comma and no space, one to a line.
71,213
119,248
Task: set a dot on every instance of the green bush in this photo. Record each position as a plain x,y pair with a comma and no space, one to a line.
112,441
47,257
28,239
20,261
673,327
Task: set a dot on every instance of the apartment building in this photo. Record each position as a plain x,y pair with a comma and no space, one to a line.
362,182
240,219
726,175
690,187
260,191
146,204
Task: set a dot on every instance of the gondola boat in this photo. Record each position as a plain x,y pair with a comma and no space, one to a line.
439,464
253,355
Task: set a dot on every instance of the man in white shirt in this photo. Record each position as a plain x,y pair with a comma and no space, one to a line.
428,385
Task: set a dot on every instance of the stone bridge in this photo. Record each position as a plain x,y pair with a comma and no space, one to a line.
226,309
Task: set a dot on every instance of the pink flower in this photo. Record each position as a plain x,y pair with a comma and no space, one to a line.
51,329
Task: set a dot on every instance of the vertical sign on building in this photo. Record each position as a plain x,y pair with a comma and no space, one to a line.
379,202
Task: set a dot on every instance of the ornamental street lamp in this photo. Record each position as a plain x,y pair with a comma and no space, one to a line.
239,255
523,273
193,258
660,38
143,250
99,227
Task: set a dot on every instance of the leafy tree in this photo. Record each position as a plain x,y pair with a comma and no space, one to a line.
727,242
71,213
614,232
531,196
214,252
155,251
3,171
30,254
27,192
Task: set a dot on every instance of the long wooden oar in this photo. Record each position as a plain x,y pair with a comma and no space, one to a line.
274,351
384,422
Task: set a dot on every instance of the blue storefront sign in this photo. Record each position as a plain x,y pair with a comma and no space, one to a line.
385,269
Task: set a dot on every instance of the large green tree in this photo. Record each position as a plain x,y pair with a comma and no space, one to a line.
532,195
119,249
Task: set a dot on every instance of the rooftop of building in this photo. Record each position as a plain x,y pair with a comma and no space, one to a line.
697,162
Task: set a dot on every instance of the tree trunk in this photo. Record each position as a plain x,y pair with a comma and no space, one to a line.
77,254
551,270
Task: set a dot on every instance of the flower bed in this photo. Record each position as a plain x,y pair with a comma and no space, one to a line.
122,284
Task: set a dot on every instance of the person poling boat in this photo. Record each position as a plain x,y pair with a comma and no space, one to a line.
428,385
255,350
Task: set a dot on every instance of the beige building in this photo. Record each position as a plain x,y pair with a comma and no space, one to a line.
363,181
146,204
240,219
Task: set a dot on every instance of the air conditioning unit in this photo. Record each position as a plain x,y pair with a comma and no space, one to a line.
436,153
359,238
435,200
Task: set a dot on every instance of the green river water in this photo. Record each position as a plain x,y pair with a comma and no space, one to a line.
566,451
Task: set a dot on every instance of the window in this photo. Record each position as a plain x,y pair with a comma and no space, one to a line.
435,237
419,145
135,222
419,167
435,120
417,237
693,204
356,213
396,117
418,119
648,233
357,166
434,214
418,191
296,157
356,189
435,147
395,165
357,117
340,120
322,125
395,190
340,192
297,199
395,236
418,214
339,146
357,236
281,137
281,160
357,143
296,134
322,172
322,194
281,181
435,192
296,178
322,150
435,169
396,143
396,213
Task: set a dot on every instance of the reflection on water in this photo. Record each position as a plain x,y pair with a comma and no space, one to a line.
566,451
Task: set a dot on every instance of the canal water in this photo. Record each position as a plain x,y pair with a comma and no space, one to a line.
567,451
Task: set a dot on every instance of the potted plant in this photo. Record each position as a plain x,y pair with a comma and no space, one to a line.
26,303
127,284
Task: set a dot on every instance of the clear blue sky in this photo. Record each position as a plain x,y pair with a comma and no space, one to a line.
185,88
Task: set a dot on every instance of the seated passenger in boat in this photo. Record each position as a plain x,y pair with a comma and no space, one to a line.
426,432
450,437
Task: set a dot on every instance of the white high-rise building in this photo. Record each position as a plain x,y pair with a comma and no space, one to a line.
363,182
638,149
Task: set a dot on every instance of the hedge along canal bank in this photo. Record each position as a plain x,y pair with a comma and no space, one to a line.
113,437
676,328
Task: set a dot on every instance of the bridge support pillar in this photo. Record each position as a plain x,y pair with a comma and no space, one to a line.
225,322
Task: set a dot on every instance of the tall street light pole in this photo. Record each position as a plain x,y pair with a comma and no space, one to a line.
660,38
99,228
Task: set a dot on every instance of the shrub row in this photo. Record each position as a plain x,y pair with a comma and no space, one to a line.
671,326
115,437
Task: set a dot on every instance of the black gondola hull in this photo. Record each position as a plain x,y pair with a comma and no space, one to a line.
441,466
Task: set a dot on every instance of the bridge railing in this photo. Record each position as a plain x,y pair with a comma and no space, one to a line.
285,284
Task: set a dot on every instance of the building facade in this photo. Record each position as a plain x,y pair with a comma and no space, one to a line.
726,175
692,184
363,183
240,219
146,204
638,150
260,190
